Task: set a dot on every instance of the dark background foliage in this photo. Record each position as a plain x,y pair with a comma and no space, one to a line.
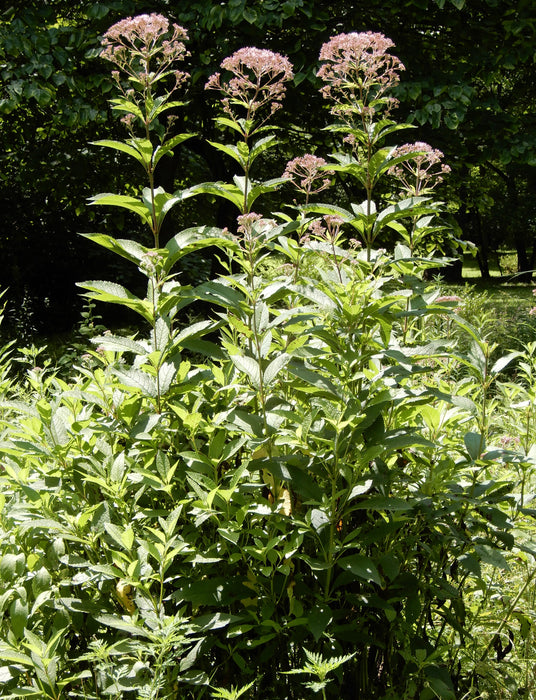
469,89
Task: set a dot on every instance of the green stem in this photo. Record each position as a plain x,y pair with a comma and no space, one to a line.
333,521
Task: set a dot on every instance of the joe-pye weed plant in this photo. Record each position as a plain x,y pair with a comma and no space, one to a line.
306,499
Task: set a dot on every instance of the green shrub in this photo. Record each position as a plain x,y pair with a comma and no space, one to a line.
295,490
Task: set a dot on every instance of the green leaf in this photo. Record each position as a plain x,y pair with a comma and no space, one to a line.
12,656
219,293
18,615
123,624
166,374
249,366
8,567
125,147
262,145
491,555
275,366
111,292
167,147
361,566
503,362
314,379
196,238
126,248
412,206
59,425
291,469
441,682
137,379
122,200
221,189
206,623
232,151
318,619
475,445
117,343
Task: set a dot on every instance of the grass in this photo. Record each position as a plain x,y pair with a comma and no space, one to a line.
501,265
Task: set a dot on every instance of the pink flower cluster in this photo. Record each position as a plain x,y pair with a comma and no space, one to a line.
422,171
358,70
246,222
134,42
330,232
258,80
308,174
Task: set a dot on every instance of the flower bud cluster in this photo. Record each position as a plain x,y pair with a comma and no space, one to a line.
308,174
258,81
422,171
133,43
144,49
358,72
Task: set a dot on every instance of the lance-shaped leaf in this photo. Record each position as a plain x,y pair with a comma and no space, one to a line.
249,366
126,202
194,330
136,379
504,361
114,293
239,125
166,374
261,146
161,105
234,152
328,209
221,189
123,105
261,188
12,656
167,147
293,470
118,343
124,147
195,238
126,248
411,206
218,293
132,628
321,384
361,566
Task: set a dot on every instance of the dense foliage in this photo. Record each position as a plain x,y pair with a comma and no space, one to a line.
302,491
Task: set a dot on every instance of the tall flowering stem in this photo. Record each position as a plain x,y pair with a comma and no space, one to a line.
253,90
358,74
309,175
145,50
418,172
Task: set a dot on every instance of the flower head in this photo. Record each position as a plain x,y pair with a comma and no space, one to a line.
358,70
258,80
329,232
308,174
132,44
246,222
422,171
